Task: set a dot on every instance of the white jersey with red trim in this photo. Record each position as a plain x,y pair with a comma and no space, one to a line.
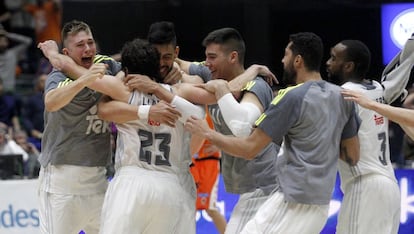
373,138
151,145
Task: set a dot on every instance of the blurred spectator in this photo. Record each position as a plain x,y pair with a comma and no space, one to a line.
48,22
9,56
32,166
32,112
22,22
10,106
4,15
48,18
8,145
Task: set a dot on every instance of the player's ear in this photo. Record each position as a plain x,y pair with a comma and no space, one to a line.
234,56
349,67
65,51
177,51
298,60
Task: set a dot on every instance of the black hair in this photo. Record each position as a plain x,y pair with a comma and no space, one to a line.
230,39
161,33
310,47
358,53
140,57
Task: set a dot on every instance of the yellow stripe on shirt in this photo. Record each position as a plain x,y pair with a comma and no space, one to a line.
260,119
199,63
65,82
282,93
276,100
99,58
249,85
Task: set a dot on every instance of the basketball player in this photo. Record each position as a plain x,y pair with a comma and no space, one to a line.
306,164
162,35
252,179
136,200
75,143
373,174
205,170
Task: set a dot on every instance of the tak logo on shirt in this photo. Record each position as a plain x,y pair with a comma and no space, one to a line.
95,125
379,120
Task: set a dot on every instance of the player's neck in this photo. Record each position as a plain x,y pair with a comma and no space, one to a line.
308,76
236,72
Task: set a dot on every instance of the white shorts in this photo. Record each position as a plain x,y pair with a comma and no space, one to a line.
371,204
187,222
64,206
142,201
279,216
244,210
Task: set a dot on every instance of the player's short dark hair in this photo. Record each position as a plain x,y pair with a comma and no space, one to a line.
310,47
74,27
161,33
140,57
358,53
230,39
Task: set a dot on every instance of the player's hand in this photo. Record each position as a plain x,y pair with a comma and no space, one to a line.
174,76
214,85
96,71
141,83
266,74
120,75
210,149
50,50
197,126
164,113
357,97
48,47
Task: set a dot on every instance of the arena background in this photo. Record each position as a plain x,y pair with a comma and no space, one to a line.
264,24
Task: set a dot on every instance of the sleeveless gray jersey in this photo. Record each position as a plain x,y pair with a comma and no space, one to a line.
312,118
241,175
74,135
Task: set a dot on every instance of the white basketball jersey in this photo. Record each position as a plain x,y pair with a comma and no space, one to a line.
151,145
373,138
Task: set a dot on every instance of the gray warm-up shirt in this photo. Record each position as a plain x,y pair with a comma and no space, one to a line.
241,175
311,118
74,135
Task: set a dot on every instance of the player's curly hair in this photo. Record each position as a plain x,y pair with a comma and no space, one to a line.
140,57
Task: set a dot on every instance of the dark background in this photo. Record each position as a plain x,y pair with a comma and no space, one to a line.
264,24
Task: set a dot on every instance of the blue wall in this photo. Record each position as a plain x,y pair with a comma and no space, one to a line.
405,179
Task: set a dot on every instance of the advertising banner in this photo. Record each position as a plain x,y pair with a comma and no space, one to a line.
19,206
